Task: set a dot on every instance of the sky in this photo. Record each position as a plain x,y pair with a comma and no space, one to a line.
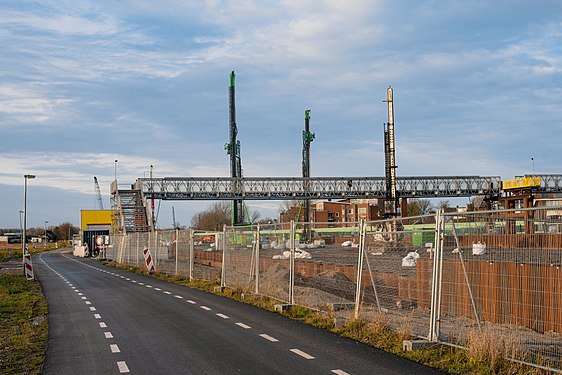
477,91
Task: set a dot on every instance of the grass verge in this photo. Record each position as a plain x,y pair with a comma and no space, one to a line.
23,325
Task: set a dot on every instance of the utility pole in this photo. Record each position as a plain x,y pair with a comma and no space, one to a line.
307,138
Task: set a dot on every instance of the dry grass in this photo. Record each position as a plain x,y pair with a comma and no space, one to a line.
493,349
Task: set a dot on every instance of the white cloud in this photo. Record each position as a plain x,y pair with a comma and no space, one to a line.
27,105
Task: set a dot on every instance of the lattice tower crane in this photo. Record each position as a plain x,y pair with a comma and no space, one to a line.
98,193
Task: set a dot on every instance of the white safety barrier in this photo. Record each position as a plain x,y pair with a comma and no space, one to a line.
80,251
28,267
148,260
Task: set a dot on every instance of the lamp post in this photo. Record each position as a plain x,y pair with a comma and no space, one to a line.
24,238
115,169
46,222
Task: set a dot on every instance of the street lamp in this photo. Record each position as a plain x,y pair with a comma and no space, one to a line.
24,238
46,222
115,169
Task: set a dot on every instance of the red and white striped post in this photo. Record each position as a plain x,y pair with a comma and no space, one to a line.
148,260
27,266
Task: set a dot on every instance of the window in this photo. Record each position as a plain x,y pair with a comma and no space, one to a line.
350,211
363,210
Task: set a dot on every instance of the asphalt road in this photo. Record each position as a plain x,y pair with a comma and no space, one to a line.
108,321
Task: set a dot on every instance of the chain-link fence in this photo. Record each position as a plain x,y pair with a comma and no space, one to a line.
458,278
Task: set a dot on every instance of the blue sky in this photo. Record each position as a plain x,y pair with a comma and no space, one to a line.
477,90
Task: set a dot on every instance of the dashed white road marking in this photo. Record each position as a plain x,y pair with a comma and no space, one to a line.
80,294
82,297
148,286
135,281
88,302
180,297
114,348
128,279
191,301
222,316
239,324
108,335
92,308
141,283
103,325
97,316
267,337
340,372
157,289
302,354
122,367
205,308
166,292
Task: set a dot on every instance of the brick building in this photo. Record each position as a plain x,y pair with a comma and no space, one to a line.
327,213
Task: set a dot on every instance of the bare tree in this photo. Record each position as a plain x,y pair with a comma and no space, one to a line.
64,231
214,218
418,207
255,216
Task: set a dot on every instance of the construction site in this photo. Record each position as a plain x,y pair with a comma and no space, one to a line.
349,248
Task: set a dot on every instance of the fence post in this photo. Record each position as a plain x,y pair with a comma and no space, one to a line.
436,279
177,248
359,268
258,243
155,235
223,271
191,254
292,265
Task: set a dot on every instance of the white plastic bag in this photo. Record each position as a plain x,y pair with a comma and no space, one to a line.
410,259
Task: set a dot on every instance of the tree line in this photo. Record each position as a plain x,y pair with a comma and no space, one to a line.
61,232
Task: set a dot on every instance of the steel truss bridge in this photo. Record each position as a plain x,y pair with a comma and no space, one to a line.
133,210
299,188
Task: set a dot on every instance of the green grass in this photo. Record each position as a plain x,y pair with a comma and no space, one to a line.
23,325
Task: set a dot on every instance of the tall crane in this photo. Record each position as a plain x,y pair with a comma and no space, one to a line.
98,193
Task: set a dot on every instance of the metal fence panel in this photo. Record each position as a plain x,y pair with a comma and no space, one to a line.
239,257
326,266
397,273
502,278
206,256
274,263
